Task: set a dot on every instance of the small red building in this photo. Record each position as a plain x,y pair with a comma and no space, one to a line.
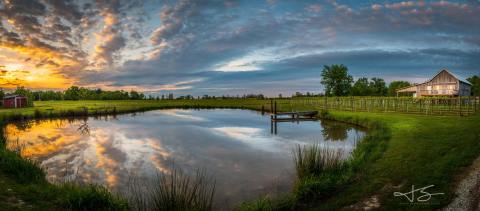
15,101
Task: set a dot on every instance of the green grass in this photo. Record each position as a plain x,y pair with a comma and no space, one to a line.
314,160
421,151
399,150
320,170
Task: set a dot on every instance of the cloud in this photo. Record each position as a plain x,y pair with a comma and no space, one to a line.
110,40
314,8
181,45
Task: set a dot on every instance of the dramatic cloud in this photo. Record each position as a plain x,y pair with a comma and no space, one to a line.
232,47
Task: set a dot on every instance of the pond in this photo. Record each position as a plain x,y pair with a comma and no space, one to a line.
236,147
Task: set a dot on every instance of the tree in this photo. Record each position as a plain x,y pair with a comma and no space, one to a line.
475,81
394,85
336,80
72,93
361,87
134,95
377,87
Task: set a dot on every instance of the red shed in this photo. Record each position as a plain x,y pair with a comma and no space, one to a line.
14,101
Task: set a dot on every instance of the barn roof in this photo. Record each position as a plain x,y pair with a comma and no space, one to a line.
462,79
12,96
454,75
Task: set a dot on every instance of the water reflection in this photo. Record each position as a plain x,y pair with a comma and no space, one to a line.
334,130
235,146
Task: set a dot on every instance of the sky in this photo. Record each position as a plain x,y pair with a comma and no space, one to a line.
231,47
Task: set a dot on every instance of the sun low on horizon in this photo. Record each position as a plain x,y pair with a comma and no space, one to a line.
234,47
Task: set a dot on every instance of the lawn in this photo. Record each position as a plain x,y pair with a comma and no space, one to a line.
422,151
409,150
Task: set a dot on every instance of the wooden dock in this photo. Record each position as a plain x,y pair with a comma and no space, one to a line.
294,116
291,117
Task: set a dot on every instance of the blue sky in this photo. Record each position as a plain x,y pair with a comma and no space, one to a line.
236,47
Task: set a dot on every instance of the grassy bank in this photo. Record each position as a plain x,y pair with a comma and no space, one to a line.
400,151
421,151
23,187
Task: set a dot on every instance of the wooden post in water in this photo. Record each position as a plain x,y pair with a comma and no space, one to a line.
275,127
275,112
271,106
271,124
263,110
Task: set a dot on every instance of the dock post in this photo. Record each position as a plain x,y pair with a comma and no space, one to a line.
263,110
275,112
275,125
271,106
271,124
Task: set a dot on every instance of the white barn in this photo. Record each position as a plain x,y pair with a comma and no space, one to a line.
443,83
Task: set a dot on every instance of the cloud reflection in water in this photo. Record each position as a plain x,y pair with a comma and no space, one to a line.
235,146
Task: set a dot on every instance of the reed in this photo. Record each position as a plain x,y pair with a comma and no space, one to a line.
313,160
173,191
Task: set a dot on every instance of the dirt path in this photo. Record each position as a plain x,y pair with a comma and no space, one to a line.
468,191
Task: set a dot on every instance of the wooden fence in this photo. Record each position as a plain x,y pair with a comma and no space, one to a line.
462,106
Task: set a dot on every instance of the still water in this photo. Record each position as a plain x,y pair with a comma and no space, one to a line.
236,147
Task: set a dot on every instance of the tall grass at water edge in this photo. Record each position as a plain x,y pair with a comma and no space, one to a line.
313,160
174,190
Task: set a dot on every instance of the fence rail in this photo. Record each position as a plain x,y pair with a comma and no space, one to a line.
462,106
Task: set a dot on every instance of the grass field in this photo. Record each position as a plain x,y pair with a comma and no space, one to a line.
400,150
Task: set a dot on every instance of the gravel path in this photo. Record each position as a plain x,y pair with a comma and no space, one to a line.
468,191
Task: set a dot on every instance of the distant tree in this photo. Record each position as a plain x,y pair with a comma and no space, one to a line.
134,95
394,85
377,87
86,94
475,81
361,87
336,80
47,95
98,91
280,96
72,93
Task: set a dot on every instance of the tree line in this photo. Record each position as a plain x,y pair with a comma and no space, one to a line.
338,82
76,93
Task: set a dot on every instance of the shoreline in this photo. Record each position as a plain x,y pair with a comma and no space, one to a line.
382,137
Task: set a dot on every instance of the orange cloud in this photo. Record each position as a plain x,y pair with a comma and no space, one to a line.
34,67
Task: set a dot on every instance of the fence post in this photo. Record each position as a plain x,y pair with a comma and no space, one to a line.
459,106
475,104
468,105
